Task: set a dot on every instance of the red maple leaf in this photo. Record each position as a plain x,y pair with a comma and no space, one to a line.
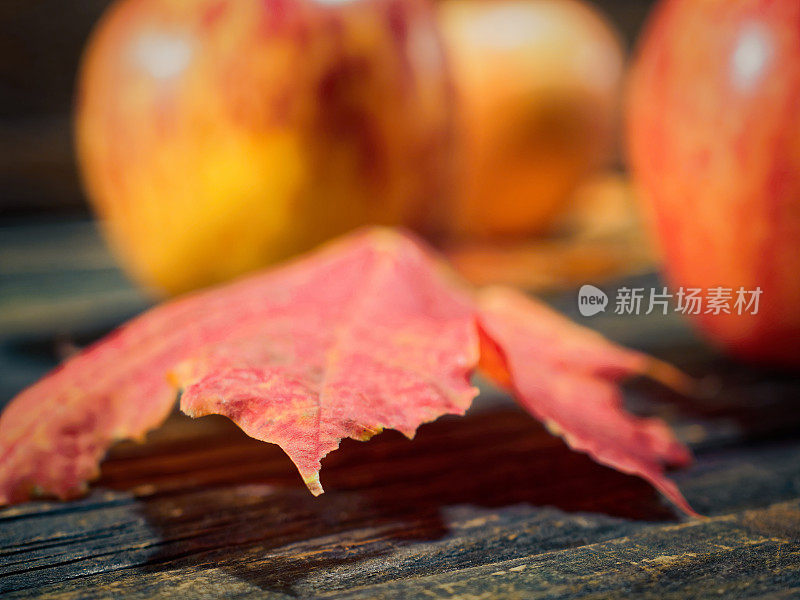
371,332
566,376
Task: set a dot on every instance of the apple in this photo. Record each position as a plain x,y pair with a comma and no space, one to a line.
218,136
713,133
538,86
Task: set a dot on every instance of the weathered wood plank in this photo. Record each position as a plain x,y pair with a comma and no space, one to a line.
750,554
486,505
227,512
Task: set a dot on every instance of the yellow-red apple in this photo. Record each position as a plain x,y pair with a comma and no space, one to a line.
714,142
538,85
216,136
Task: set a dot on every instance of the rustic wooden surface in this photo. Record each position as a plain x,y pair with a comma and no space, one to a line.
486,506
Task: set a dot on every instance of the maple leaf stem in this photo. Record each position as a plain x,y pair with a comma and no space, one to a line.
671,377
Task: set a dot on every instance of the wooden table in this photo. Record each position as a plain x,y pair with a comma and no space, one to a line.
486,506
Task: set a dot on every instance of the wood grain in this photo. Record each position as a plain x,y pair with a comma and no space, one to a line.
486,506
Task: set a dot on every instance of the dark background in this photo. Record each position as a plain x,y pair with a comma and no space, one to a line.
40,48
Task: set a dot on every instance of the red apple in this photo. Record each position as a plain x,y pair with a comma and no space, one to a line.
714,142
538,85
217,136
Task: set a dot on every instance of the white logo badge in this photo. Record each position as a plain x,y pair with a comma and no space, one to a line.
591,300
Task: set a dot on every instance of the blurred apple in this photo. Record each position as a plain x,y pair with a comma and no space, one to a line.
537,83
714,142
217,136
599,238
